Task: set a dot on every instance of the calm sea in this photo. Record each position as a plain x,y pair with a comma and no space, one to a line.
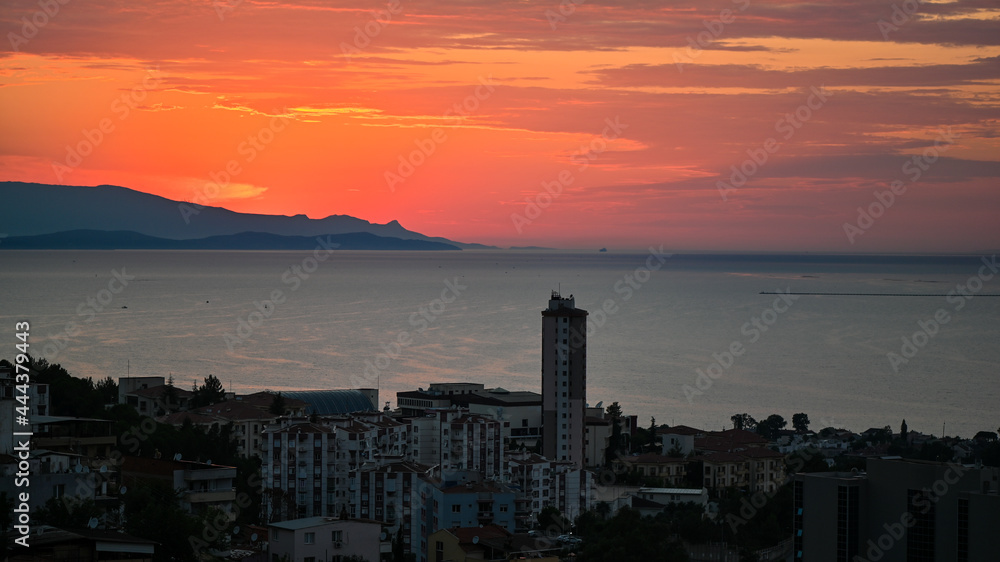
475,316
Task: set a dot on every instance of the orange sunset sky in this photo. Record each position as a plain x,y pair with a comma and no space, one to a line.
315,106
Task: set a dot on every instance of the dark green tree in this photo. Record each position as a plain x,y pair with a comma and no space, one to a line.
744,421
629,536
770,427
153,511
68,512
211,392
278,407
800,422
551,521
107,389
171,400
614,411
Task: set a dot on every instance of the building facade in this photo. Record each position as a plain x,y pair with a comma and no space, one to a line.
564,380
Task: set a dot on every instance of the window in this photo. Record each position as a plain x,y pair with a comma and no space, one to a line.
274,535
309,559
310,538
456,508
503,509
337,536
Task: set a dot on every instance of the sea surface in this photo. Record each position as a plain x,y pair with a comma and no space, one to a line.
402,320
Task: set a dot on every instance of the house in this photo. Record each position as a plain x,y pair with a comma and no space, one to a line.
490,542
672,470
52,543
314,539
678,440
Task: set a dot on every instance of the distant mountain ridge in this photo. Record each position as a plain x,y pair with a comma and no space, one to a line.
127,240
30,209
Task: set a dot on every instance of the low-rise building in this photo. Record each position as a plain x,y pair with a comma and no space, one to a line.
201,485
671,470
319,539
490,542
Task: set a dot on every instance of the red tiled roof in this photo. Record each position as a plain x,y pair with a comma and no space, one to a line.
761,453
465,535
680,430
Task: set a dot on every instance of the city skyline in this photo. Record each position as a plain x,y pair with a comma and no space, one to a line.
736,125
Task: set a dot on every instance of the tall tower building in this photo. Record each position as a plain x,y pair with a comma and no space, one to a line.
564,380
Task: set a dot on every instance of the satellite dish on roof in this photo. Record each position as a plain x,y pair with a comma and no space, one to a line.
236,530
383,536
92,523
600,404
122,490
253,537
78,469
104,468
177,457
209,461
475,539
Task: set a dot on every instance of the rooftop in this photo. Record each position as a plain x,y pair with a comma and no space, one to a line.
327,402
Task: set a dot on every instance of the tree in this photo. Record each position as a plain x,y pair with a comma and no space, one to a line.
744,421
68,512
209,393
616,442
107,388
278,407
903,433
771,427
170,397
800,422
153,511
614,411
551,519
